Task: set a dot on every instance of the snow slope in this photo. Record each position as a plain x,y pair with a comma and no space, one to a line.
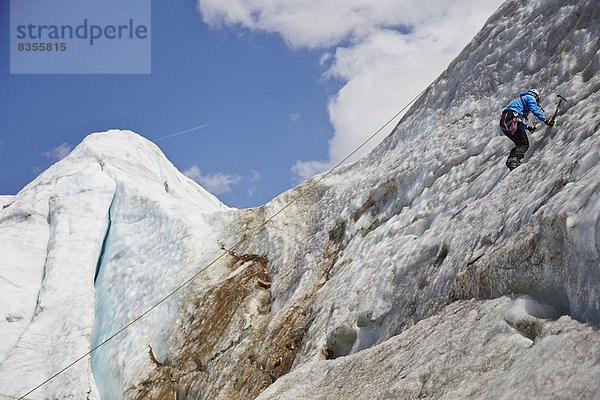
372,271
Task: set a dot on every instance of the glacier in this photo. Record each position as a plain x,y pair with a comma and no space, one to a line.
423,270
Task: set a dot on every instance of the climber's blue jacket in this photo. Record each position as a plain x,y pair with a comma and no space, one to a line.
525,103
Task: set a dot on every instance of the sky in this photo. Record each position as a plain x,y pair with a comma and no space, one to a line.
247,97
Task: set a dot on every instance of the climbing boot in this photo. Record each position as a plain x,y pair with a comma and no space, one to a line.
512,163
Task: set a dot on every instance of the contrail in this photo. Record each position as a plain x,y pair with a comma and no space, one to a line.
180,133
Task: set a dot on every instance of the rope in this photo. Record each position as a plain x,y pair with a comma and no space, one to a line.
261,226
564,47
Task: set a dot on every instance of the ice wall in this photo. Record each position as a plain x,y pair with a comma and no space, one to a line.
52,236
364,286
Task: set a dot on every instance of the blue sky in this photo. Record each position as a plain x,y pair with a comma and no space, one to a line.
283,93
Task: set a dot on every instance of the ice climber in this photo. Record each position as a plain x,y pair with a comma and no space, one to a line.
514,122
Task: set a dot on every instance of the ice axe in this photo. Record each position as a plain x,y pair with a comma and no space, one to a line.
532,129
558,106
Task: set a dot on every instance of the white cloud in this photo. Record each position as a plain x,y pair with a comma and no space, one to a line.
294,116
325,58
215,183
306,169
385,52
59,152
255,176
308,23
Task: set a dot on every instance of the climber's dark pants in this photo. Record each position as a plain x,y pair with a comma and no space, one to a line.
520,140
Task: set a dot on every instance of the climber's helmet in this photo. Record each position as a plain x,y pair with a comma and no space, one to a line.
536,94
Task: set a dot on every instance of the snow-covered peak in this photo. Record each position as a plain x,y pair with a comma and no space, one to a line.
127,158
138,162
55,233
